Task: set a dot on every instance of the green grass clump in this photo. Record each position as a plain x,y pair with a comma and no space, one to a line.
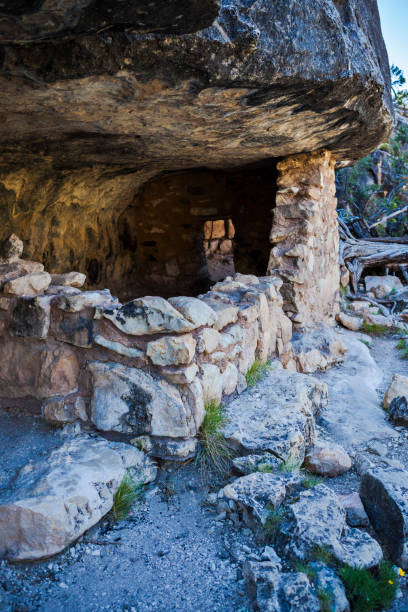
305,568
256,372
214,452
310,480
366,342
265,468
368,591
273,522
326,600
403,347
126,495
322,554
375,329
290,465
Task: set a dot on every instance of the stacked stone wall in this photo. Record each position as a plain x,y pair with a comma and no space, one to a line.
305,238
144,369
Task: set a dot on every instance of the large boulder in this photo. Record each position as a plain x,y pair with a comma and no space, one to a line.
52,502
277,416
384,493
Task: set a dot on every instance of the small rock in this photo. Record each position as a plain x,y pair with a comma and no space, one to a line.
356,515
382,286
70,279
327,460
397,388
28,285
398,411
353,323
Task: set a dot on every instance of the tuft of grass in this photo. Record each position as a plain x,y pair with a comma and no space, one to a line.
265,468
368,591
213,453
366,342
126,495
326,600
305,568
322,554
273,522
310,481
403,347
375,329
256,372
290,465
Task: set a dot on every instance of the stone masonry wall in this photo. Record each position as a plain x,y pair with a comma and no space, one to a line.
144,369
305,238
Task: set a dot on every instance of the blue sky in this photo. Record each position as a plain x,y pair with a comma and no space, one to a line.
394,23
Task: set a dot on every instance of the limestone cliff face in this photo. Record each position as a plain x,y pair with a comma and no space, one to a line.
98,101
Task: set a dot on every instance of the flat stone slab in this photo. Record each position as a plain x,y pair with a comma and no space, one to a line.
54,501
384,493
277,416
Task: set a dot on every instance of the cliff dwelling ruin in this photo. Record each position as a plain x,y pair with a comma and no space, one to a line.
167,222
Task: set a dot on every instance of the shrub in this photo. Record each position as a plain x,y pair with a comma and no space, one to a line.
256,372
367,591
126,494
214,452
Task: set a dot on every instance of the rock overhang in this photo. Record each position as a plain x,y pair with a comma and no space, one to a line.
265,80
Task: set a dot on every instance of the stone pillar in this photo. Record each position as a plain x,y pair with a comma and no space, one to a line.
304,236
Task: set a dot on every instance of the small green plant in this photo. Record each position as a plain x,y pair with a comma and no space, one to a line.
326,600
402,346
305,568
256,372
290,465
322,554
367,591
214,452
375,329
265,468
366,342
125,496
273,522
310,481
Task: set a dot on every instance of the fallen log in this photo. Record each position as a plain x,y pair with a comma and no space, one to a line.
358,254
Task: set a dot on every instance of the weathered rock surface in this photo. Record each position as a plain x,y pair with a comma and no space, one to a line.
277,416
397,388
350,322
272,590
69,279
382,286
384,492
172,350
129,400
328,582
398,412
327,459
318,520
292,77
317,349
355,513
253,463
54,501
256,493
24,23
148,315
